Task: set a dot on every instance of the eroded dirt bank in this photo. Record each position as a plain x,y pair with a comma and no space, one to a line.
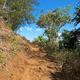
20,60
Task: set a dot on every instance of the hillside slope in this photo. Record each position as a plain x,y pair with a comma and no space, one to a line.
20,60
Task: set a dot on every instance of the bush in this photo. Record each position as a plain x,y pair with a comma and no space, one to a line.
71,66
42,42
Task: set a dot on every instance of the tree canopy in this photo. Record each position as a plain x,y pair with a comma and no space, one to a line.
16,12
52,22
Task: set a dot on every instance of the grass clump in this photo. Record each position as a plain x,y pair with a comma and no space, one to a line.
2,58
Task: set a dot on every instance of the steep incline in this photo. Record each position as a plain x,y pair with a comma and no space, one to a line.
20,60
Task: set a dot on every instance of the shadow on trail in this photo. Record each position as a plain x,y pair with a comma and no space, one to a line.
57,76
61,76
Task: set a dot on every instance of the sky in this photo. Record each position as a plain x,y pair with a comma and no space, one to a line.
32,31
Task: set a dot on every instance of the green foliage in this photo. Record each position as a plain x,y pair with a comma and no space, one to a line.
70,39
52,22
55,19
17,12
41,41
1,58
1,2
64,43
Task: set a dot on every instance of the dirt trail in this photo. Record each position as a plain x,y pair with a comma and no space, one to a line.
38,67
38,70
24,67
23,60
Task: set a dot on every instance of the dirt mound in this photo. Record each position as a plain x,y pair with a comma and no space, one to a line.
20,60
